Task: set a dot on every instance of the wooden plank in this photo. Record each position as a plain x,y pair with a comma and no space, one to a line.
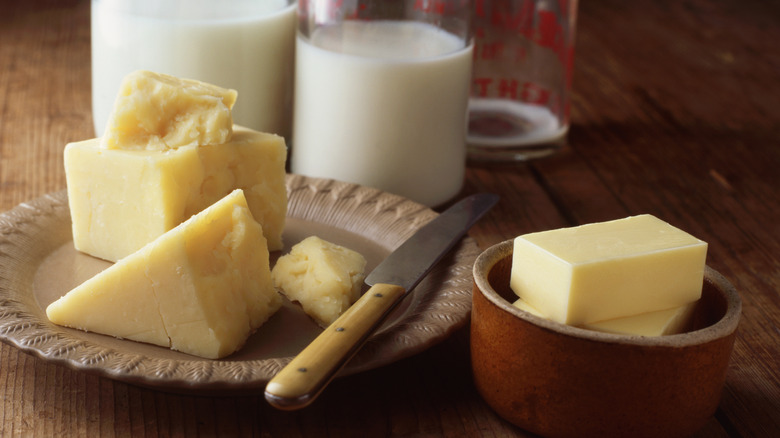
682,141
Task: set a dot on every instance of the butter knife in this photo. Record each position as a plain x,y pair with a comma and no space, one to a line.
304,378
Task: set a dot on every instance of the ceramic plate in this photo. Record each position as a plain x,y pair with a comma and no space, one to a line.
38,264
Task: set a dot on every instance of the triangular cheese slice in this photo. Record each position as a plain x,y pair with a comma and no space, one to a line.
201,288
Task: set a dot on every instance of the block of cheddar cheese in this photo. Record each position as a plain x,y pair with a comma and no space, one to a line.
201,288
154,111
122,199
608,270
323,277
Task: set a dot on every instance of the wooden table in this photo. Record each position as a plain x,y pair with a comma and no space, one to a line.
676,113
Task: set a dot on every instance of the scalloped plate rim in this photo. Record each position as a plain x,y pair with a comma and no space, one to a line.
422,337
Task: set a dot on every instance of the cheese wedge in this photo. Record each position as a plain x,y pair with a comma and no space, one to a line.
323,277
608,270
201,288
157,112
121,200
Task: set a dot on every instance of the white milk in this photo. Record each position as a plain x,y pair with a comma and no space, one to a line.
526,124
245,45
385,107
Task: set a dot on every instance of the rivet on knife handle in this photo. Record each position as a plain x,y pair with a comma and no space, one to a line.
299,383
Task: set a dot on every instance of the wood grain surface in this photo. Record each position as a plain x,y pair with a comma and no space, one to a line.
676,113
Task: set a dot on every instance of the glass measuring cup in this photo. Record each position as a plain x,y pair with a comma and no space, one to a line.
520,97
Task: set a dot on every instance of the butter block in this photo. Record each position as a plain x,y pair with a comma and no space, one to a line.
154,111
202,288
658,323
323,277
523,305
121,200
608,270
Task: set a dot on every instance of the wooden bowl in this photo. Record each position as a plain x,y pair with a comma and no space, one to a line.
557,380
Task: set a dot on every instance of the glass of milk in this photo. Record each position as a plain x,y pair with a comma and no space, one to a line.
246,45
523,56
381,94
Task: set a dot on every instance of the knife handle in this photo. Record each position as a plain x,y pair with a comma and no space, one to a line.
302,380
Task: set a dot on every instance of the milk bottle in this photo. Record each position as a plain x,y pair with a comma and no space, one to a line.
383,103
245,45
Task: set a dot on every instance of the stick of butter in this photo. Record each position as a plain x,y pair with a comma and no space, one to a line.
658,323
157,112
608,270
201,288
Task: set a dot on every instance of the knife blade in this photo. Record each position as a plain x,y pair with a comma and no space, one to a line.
303,379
